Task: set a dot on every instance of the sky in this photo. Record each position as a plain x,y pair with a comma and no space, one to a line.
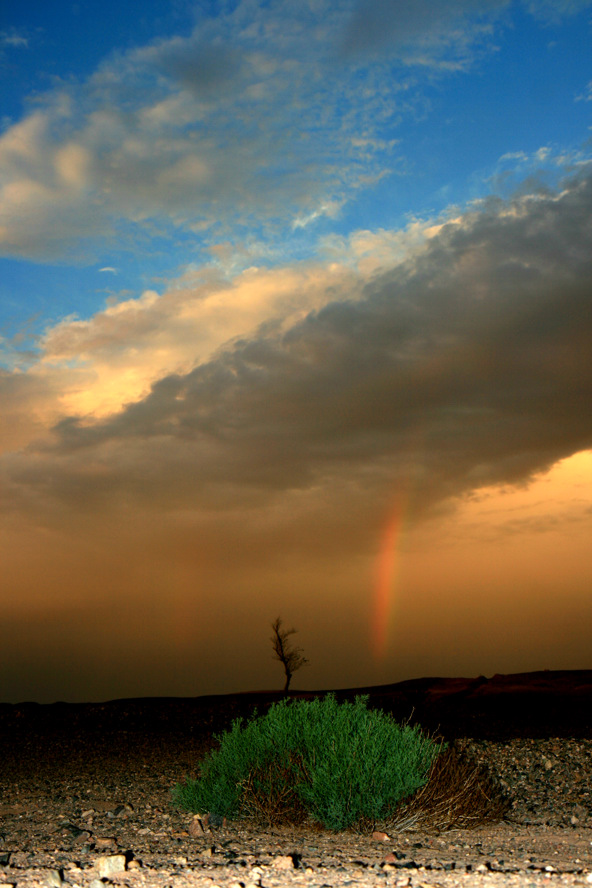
295,320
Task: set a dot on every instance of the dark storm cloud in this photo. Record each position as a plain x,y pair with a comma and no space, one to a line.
468,364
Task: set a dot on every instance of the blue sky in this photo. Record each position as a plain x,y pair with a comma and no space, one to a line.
265,268
365,129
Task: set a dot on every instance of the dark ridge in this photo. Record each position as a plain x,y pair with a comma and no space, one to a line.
532,704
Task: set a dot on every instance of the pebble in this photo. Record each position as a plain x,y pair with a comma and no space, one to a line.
283,862
196,827
380,836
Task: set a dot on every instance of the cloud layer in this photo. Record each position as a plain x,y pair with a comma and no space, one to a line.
268,115
466,364
236,125
251,470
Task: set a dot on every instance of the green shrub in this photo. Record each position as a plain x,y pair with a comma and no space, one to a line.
341,764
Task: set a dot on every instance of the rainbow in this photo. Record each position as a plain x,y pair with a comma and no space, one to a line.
386,571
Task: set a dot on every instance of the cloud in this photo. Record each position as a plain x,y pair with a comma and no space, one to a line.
465,364
206,71
28,405
586,96
265,119
435,32
239,124
419,31
113,358
46,188
13,39
265,427
554,10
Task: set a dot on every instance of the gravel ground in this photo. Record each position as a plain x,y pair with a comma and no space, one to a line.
549,782
85,810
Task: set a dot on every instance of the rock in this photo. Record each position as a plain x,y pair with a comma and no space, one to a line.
74,830
380,836
109,866
19,859
105,841
82,837
122,809
196,827
53,879
394,857
283,862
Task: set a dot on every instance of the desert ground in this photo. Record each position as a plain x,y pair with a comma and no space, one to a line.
85,794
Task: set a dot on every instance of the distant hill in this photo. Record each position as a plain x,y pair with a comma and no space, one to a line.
528,704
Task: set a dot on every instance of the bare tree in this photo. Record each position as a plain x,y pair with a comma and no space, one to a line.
290,658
